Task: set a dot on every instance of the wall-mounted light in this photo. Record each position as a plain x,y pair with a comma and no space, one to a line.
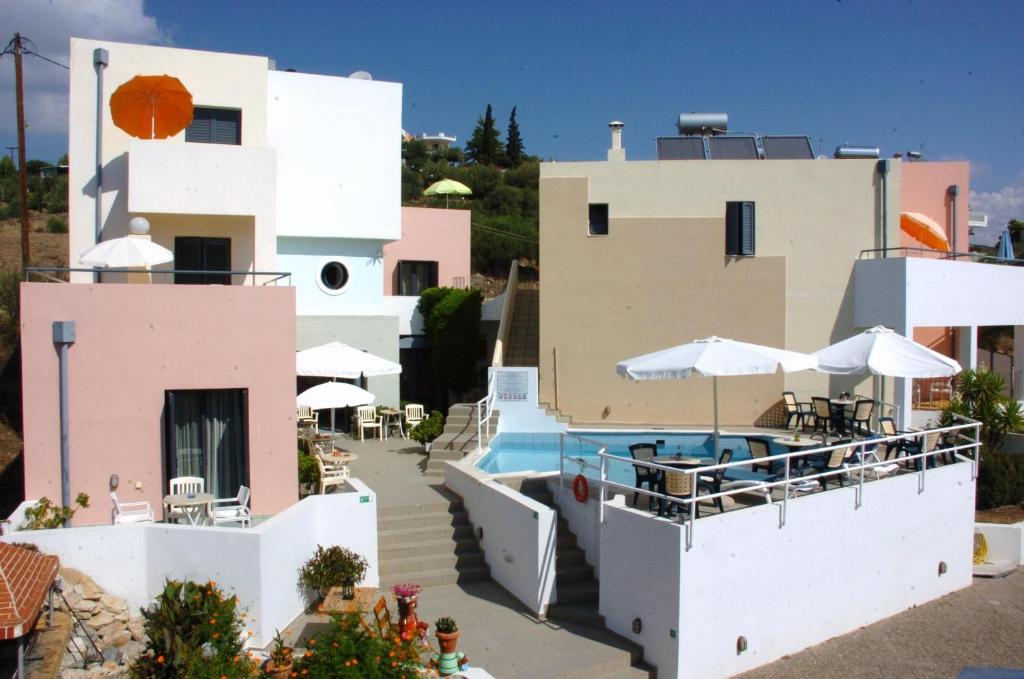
741,644
139,226
114,481
638,625
942,568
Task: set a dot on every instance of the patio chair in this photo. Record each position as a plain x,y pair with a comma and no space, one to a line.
645,452
893,449
680,484
305,417
367,418
870,454
232,509
413,416
180,485
796,410
860,419
131,512
822,415
837,459
759,449
713,484
927,443
331,474
382,615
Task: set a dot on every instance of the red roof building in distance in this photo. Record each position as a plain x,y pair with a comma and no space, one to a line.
25,578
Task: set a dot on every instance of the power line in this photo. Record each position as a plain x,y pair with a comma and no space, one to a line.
55,63
506,234
29,47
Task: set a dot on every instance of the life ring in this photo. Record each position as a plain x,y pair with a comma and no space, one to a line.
581,488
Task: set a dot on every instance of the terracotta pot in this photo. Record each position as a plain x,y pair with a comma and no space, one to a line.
448,642
277,671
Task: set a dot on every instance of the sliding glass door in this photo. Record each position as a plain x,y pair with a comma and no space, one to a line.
208,436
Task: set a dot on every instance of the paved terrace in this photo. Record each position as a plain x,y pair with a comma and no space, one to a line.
979,626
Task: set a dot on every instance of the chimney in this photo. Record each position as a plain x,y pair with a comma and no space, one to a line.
616,152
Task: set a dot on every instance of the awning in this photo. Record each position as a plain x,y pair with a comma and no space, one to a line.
25,578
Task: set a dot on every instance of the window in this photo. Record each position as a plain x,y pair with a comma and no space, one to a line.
415,277
194,253
334,276
215,126
598,219
739,229
207,435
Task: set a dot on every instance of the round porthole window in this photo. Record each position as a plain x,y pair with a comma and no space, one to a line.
334,276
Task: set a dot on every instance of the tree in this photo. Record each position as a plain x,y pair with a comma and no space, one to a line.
514,151
484,147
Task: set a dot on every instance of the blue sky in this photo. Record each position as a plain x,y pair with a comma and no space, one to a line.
941,77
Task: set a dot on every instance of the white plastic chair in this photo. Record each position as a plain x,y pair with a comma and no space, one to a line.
331,474
367,418
305,418
413,416
131,512
232,509
181,485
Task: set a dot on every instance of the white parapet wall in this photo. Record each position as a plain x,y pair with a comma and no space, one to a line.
1005,542
517,534
832,568
260,565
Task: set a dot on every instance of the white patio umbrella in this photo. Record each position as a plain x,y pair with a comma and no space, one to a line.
335,359
883,351
334,395
713,357
126,252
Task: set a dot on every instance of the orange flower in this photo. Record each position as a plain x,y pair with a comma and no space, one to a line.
159,658
394,663
213,621
216,635
312,642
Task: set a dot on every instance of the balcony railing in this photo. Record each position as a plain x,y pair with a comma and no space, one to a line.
61,274
978,257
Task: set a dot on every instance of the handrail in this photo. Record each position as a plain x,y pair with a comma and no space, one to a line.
938,254
48,271
485,404
786,482
505,322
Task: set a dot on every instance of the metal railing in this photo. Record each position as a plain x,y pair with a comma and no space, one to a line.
855,463
59,274
484,409
903,251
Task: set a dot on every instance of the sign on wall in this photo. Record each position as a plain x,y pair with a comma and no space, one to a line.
513,385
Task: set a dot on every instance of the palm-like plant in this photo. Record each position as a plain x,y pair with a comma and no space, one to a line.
979,396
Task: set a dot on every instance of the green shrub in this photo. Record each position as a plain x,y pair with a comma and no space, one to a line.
309,470
429,429
451,320
56,225
10,301
349,650
193,631
1000,480
331,567
44,514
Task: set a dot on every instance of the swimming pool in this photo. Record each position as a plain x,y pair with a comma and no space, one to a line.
521,452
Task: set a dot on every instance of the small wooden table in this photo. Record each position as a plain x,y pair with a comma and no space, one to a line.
193,505
334,603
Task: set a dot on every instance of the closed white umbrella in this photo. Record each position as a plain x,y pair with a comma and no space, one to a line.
713,357
334,395
339,360
883,351
126,252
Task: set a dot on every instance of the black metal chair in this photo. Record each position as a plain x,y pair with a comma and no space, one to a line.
822,415
796,410
759,449
832,461
713,484
893,449
860,418
645,452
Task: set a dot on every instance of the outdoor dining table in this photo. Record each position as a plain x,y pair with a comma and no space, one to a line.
838,407
193,505
392,418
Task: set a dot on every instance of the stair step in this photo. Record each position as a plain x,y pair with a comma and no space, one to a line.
445,576
579,614
428,547
569,557
578,592
423,562
576,573
455,504
424,520
418,535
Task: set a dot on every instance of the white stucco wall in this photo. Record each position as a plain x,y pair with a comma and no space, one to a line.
830,570
1005,542
519,535
258,564
339,155
305,259
520,414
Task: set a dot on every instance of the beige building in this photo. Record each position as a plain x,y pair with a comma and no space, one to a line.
636,258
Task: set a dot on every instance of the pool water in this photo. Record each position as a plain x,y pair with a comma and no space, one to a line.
520,452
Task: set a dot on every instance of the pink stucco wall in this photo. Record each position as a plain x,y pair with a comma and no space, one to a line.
133,343
430,234
923,188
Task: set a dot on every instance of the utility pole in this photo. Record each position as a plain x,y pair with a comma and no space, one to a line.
22,170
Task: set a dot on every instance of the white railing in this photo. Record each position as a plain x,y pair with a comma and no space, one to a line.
484,409
790,483
505,323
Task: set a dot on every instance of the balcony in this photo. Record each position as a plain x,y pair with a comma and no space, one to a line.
907,291
207,179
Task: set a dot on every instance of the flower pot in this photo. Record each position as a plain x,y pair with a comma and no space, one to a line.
427,446
448,641
275,671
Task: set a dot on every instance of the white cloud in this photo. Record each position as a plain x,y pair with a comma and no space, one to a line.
49,25
1003,205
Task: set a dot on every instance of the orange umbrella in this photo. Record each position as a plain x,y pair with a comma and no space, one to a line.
925,230
151,106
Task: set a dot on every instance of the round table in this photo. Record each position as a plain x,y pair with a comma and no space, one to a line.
339,457
794,444
193,505
391,418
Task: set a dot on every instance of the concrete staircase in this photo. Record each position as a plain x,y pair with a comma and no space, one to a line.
430,544
458,438
524,335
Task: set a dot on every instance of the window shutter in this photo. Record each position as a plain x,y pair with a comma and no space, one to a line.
200,129
732,232
746,228
739,228
215,126
226,127
188,256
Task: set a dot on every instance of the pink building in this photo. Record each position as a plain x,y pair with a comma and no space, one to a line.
433,251
163,381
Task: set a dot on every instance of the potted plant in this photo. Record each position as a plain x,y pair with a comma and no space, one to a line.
279,664
333,566
448,661
429,429
409,625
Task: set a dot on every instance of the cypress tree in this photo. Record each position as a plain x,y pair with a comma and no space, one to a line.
484,147
514,151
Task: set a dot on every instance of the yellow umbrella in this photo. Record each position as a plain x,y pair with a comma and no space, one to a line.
925,230
446,187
